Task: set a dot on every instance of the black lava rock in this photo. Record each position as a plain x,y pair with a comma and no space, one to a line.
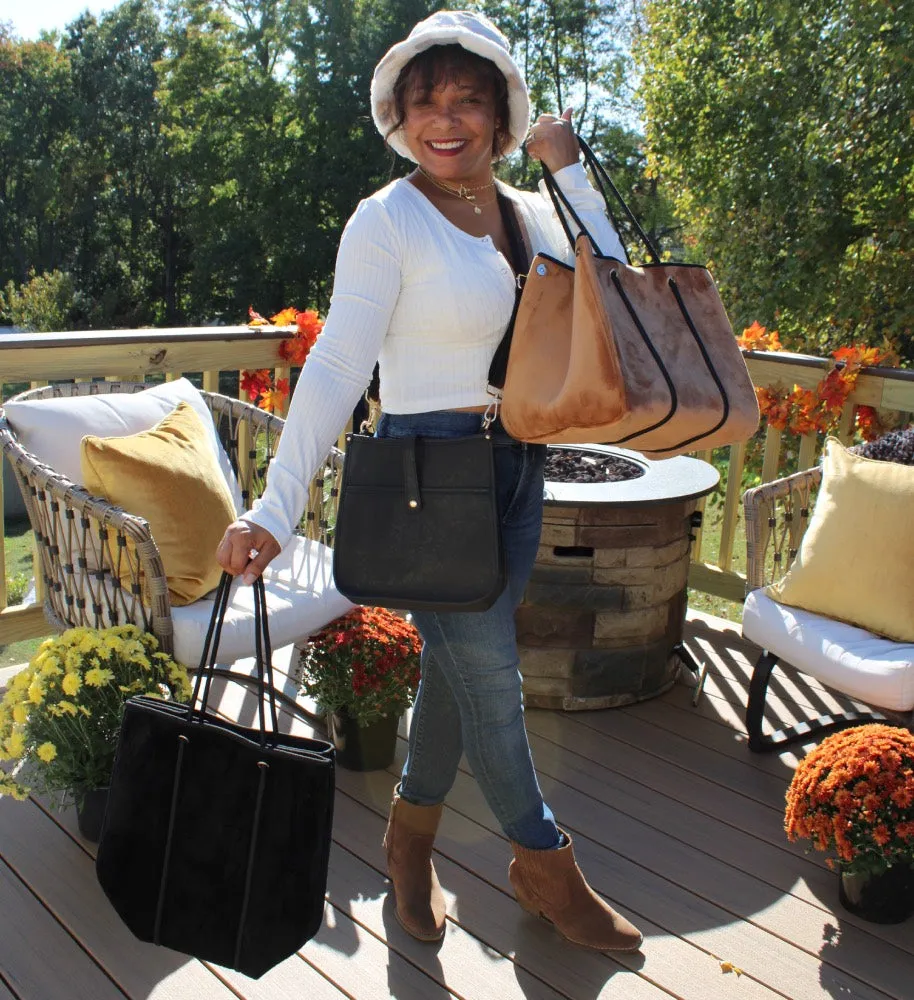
570,465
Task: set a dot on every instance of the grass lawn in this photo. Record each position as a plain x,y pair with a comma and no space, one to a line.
18,576
710,546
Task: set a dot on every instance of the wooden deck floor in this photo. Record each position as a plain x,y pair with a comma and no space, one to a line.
673,820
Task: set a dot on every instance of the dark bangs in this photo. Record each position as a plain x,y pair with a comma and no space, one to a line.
443,64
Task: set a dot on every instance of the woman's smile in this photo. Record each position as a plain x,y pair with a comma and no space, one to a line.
447,147
450,130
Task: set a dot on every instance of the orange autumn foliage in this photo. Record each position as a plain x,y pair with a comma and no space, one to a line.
259,385
818,410
854,795
757,338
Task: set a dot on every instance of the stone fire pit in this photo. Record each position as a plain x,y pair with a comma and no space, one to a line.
607,598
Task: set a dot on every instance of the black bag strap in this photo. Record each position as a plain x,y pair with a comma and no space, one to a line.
263,655
520,262
607,189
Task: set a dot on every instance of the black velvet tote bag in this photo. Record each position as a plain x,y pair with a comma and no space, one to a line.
216,838
418,524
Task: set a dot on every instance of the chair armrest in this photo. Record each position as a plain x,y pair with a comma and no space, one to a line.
98,563
251,435
776,517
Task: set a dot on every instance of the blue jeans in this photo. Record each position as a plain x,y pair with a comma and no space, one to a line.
469,697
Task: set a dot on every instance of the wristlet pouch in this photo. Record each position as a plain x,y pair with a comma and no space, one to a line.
639,356
216,837
418,524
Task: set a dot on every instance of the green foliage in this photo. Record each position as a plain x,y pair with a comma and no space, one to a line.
184,159
45,303
577,53
784,129
17,586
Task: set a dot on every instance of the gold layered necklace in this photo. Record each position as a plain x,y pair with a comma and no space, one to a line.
463,192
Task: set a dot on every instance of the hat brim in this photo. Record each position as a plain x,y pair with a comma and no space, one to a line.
388,70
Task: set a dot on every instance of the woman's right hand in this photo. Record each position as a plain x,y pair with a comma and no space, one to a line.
246,549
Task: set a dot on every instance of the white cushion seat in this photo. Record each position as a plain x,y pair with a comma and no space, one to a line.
850,659
301,598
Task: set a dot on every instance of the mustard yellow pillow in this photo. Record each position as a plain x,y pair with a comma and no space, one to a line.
169,476
856,560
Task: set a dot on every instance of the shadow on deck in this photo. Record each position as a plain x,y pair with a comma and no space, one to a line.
674,821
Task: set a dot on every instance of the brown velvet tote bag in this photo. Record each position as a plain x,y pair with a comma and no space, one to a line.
609,353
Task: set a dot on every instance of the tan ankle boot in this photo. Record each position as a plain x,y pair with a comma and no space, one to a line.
549,884
408,840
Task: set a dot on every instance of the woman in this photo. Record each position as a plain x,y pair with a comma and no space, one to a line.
423,284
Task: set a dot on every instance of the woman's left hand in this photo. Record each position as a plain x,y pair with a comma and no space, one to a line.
552,141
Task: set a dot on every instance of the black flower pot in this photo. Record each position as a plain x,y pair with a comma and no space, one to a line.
368,747
90,813
885,897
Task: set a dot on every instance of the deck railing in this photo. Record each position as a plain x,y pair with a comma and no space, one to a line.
137,355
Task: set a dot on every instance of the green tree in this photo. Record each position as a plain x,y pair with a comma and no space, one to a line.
45,303
578,53
113,166
35,120
269,129
784,128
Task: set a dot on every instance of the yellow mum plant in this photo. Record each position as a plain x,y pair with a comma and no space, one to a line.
60,716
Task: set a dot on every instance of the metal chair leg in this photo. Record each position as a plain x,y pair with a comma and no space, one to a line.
755,714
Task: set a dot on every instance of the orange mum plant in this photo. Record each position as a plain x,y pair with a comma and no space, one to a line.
261,387
818,410
366,662
854,795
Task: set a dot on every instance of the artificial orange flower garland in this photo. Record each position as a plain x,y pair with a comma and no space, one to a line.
260,386
817,411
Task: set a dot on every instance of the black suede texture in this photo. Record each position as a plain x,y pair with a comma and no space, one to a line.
215,807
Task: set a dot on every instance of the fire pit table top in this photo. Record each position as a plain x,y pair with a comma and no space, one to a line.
663,481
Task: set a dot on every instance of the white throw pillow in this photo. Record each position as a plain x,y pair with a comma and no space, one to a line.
52,429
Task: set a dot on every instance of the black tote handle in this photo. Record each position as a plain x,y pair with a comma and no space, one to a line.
263,655
604,181
606,187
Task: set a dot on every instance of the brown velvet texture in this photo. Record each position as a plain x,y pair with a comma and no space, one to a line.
170,476
214,785
580,369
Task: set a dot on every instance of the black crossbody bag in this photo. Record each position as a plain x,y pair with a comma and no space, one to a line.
418,524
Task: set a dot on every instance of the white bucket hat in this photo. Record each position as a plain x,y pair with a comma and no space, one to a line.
474,32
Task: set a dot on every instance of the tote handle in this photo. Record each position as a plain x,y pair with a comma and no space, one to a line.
263,655
604,184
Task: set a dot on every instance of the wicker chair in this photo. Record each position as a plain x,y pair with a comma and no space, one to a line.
848,659
100,565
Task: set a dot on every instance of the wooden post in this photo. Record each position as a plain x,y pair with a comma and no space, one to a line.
731,504
705,456
808,446
771,460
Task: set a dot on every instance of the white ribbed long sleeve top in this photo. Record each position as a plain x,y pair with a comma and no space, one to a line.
426,300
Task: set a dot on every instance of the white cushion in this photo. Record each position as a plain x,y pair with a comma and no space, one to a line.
868,667
301,598
52,429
